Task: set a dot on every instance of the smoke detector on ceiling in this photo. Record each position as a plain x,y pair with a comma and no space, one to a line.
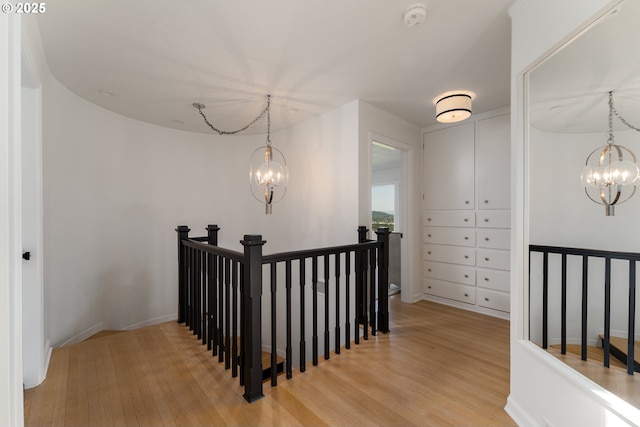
415,15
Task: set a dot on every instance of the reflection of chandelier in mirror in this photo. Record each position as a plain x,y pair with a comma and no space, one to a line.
610,174
268,171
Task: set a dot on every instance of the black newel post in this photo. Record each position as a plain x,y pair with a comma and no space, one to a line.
251,325
383,280
212,328
183,234
212,234
360,277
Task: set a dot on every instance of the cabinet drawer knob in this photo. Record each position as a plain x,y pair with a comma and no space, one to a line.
428,219
486,239
466,237
466,257
486,220
429,252
486,258
429,286
486,299
428,235
429,270
466,202
486,279
466,276
466,295
486,201
466,220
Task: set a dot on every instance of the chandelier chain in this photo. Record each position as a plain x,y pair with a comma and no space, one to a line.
613,109
233,132
269,120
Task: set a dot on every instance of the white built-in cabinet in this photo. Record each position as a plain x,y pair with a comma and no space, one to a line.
449,161
466,216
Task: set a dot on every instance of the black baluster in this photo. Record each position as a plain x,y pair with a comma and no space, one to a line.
585,292
203,296
227,313
563,302
347,326
545,297
234,352
221,338
314,285
215,284
372,291
337,327
607,310
288,350
327,284
632,316
303,344
274,327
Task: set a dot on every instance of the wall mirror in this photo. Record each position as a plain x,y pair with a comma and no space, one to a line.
568,113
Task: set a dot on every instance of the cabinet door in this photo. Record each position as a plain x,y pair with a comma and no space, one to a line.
493,163
449,168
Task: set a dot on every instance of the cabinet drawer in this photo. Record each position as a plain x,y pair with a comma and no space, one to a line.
494,238
450,272
450,290
451,254
493,299
490,258
449,219
498,280
494,219
449,236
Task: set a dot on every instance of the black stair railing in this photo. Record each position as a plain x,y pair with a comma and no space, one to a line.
220,299
584,255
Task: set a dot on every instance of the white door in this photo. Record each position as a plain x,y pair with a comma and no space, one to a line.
34,351
449,168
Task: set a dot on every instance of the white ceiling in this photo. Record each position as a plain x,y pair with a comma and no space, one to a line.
158,57
569,91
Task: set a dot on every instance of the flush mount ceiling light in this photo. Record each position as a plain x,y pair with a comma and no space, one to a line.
610,174
453,106
268,171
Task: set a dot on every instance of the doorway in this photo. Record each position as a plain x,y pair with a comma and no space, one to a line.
389,203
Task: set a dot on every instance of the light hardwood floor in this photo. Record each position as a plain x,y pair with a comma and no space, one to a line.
439,366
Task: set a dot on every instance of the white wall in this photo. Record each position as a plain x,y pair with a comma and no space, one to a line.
544,391
115,189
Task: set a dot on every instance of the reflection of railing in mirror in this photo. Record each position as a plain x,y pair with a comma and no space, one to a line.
563,281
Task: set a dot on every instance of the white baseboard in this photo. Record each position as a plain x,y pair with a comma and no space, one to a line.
518,414
150,322
47,359
84,334
42,374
